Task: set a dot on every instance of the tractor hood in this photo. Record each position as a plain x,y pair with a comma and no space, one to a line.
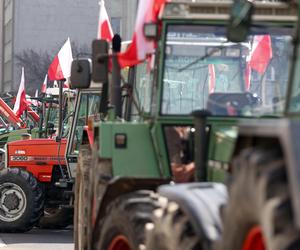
35,142
37,156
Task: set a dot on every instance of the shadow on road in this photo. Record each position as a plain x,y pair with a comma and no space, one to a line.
40,236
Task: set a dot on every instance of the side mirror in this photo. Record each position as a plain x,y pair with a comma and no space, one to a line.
80,74
100,61
240,20
151,31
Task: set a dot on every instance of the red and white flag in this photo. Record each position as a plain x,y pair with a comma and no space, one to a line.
44,86
212,78
104,27
60,67
261,53
21,103
141,47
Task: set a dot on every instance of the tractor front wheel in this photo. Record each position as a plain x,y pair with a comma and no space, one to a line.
21,200
123,225
83,193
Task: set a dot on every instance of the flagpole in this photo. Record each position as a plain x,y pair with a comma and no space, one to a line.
115,87
101,4
60,114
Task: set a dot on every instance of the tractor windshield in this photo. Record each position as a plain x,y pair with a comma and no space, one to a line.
204,71
88,108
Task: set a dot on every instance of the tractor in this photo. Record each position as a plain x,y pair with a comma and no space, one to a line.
38,123
254,210
196,68
34,168
41,172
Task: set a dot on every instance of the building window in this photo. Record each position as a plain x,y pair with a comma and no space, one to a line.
8,72
7,46
6,2
8,32
116,25
8,12
7,52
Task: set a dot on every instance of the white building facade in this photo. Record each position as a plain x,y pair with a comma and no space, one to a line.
43,26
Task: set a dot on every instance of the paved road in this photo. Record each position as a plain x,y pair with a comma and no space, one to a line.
38,239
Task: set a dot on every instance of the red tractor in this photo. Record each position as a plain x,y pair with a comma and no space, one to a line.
30,174
36,181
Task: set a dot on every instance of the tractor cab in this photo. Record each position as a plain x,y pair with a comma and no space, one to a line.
90,107
183,123
197,68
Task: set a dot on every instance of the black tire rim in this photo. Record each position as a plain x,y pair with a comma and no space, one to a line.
13,202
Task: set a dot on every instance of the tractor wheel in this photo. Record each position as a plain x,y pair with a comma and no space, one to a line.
21,200
171,230
56,218
82,184
124,222
258,214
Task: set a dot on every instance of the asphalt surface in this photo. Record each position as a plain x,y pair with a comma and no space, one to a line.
39,239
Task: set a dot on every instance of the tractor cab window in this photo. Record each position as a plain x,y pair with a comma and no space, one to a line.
88,108
52,112
202,70
142,90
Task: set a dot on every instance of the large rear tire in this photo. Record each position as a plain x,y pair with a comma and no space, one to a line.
258,214
82,200
21,200
124,222
171,230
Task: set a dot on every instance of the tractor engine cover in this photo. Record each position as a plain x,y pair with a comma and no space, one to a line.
37,156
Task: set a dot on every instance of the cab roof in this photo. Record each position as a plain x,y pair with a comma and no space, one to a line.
220,10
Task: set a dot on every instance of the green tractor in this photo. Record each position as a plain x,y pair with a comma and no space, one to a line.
258,213
48,113
196,68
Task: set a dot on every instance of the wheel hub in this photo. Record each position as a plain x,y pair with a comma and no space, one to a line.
12,202
119,242
254,239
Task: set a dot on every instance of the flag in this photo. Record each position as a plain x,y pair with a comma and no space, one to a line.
21,103
212,78
141,47
261,53
60,67
104,27
44,86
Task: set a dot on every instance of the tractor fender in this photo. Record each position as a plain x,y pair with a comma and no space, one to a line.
119,186
201,202
283,134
